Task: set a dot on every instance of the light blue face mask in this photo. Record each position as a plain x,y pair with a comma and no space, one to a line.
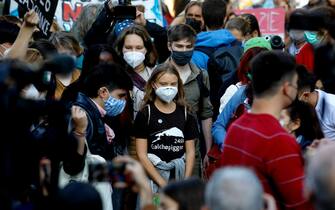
114,106
312,37
243,43
79,62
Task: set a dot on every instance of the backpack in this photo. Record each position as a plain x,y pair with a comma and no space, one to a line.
215,153
221,66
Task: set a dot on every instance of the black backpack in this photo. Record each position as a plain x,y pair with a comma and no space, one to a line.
221,66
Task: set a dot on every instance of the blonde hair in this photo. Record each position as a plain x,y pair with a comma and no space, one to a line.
33,56
66,40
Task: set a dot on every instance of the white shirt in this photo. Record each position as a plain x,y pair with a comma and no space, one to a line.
184,74
138,95
325,109
231,90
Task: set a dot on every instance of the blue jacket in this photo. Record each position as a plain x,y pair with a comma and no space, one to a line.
219,128
214,39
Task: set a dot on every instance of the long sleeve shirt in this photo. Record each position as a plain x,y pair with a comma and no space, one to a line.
258,141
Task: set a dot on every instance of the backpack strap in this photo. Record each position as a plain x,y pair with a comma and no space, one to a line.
236,43
138,81
149,113
185,113
209,51
203,89
204,92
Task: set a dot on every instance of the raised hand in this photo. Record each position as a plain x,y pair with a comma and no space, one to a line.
79,119
31,19
140,18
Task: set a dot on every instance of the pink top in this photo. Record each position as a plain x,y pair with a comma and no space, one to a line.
109,132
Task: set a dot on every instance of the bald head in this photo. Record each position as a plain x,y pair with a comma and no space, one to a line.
320,181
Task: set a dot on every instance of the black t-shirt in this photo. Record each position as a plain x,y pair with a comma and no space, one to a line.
166,133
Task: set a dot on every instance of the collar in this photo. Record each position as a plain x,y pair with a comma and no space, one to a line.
195,71
102,111
110,135
319,102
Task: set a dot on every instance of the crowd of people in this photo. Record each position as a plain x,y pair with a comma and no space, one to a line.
205,113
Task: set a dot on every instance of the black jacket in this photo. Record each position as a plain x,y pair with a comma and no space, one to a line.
99,32
96,133
159,34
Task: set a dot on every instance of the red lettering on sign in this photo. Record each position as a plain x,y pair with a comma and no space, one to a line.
273,23
71,13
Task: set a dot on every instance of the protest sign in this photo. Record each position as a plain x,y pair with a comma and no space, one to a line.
45,10
271,21
153,10
68,11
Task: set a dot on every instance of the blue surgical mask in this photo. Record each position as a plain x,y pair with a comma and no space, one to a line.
114,106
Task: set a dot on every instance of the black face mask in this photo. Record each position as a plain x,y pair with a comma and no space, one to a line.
181,58
195,24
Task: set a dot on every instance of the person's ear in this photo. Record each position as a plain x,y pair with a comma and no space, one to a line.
269,202
293,126
304,96
319,85
169,45
154,86
254,34
103,92
202,24
286,88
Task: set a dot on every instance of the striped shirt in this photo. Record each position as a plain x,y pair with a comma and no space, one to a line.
257,141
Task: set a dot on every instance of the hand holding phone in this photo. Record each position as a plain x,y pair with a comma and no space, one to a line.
111,171
116,171
134,171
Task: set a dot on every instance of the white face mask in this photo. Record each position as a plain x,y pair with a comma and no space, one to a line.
167,93
134,58
32,93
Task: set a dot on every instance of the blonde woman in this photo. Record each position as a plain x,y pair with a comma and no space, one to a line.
165,132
